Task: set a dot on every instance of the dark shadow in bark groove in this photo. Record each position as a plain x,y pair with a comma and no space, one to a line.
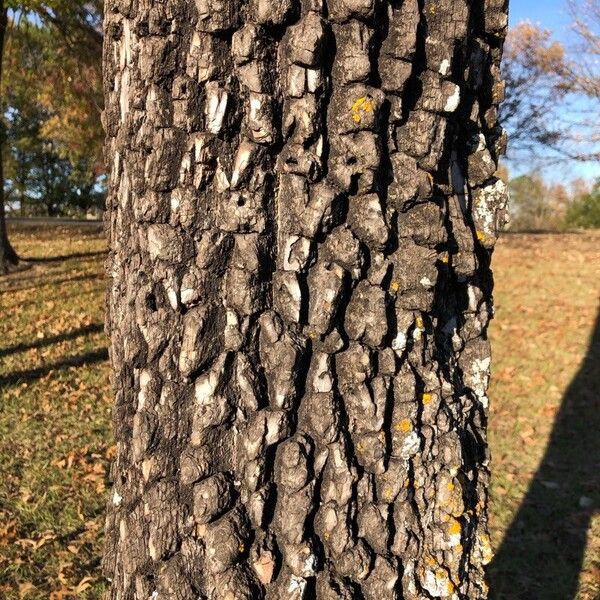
71,361
542,552
55,339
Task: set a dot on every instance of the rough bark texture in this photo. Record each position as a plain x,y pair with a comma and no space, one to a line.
8,257
302,211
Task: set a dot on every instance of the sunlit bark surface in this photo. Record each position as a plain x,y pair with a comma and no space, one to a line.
301,215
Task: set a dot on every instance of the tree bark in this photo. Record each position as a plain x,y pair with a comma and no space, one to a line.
8,257
302,211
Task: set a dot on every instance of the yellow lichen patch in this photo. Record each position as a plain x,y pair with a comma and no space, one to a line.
427,398
455,527
395,286
360,448
445,258
241,547
388,493
429,560
419,322
363,105
487,554
451,486
481,236
450,587
405,426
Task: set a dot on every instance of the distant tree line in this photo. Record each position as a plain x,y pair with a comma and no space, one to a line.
51,105
551,114
537,205
51,101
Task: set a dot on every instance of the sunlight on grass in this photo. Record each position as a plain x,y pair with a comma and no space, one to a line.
546,307
55,443
54,420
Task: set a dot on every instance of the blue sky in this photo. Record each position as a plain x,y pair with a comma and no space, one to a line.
553,15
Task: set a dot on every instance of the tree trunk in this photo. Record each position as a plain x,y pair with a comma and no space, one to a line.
302,211
8,257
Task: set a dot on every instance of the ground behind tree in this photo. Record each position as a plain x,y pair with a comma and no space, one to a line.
55,443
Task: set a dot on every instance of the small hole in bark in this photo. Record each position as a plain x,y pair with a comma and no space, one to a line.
241,202
151,302
351,160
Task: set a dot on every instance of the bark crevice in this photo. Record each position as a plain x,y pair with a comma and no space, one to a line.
300,224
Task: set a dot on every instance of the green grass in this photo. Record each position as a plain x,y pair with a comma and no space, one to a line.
545,418
54,417
55,442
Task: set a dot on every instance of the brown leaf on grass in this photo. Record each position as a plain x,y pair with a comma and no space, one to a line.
506,374
83,585
25,588
548,410
25,495
37,543
8,533
528,436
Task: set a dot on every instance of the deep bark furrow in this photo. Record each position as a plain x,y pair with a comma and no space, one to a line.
302,211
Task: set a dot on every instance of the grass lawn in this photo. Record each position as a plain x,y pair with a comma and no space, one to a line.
55,443
545,418
54,416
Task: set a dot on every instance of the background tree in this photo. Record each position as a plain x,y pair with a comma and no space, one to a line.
536,205
70,85
8,257
67,83
553,89
531,68
585,209
43,175
302,211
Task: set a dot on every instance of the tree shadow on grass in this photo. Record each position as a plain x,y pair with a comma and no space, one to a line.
80,360
65,257
55,339
542,553
57,281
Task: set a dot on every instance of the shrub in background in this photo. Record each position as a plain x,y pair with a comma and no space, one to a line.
585,211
